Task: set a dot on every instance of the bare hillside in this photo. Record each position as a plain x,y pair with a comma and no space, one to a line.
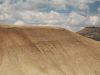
91,32
47,51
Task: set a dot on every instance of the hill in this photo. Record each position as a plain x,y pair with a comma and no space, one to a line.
91,32
47,51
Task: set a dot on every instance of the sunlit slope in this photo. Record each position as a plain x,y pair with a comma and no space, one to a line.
47,51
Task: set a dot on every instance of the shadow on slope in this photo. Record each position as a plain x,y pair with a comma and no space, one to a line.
91,32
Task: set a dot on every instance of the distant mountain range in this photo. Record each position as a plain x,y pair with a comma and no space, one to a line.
91,32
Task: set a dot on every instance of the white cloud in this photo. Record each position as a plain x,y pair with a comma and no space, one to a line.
19,23
81,28
59,3
51,17
4,16
94,20
29,12
69,28
75,19
4,11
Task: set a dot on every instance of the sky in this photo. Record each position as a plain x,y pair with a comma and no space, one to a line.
71,14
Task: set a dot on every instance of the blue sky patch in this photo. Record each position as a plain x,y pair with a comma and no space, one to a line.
93,7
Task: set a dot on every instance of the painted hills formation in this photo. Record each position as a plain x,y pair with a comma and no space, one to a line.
91,32
47,51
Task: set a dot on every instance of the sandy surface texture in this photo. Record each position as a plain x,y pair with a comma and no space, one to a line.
47,51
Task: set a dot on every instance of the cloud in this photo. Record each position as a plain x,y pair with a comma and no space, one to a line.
75,19
42,17
94,20
4,12
39,15
59,4
49,12
4,16
19,23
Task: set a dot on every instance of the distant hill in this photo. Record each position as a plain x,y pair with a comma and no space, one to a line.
91,32
47,51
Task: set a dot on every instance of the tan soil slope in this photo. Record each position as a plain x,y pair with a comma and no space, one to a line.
47,51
